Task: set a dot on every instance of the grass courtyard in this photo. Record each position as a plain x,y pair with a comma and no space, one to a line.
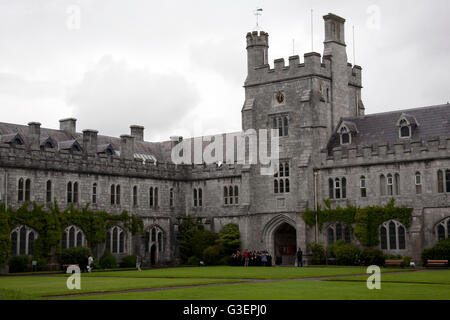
234,283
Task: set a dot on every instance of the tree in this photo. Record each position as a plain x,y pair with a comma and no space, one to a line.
5,241
229,239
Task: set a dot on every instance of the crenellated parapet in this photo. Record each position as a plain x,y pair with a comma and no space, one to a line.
380,153
21,157
354,75
313,65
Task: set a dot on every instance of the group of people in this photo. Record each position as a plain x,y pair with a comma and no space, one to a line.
251,258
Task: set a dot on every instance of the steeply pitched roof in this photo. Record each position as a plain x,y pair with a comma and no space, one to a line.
432,121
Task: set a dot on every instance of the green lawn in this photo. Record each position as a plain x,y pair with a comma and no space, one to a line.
244,273
293,290
241,283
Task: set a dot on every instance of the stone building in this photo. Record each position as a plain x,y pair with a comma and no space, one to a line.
329,149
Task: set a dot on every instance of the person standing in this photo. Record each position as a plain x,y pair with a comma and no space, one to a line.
90,263
138,262
299,257
264,258
246,258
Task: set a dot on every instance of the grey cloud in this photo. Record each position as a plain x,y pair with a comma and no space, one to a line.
114,95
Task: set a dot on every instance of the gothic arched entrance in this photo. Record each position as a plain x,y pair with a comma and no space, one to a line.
285,244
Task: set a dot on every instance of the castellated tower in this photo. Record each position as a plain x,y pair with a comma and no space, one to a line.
304,100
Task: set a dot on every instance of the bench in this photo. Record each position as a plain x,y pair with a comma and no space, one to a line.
437,263
393,263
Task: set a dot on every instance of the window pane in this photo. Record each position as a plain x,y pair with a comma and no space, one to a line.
49,191
397,184
195,197
14,243
200,197
275,186
114,240
113,194
118,194
383,237
286,186
286,127
281,170
236,195
225,195
122,242
159,242
344,188
405,132
392,236
231,194
94,193
440,177
156,197
401,238
20,190
286,169
28,189
382,185
79,239
69,192
331,188
345,138
23,240
281,186
330,236
71,237
447,180
75,192
338,232
441,232
150,194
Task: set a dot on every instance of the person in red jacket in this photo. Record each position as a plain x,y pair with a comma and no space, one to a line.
246,258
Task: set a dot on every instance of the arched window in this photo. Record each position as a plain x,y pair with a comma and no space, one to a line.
171,197
338,231
115,240
154,236
159,241
20,190
286,126
397,184
275,186
113,194
281,186
331,188
281,181
443,229
286,185
440,180
69,192
418,182
75,192
195,197
135,196
118,194
337,188
345,136
94,193
330,236
392,236
382,185
48,192
362,186
27,190
150,194
447,181
405,129
73,237
22,240
236,195
390,183
230,193
200,197
156,197
225,195
344,188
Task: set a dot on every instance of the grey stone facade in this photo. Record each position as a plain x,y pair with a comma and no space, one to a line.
320,96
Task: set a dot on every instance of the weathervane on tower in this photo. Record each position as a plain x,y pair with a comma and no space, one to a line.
257,13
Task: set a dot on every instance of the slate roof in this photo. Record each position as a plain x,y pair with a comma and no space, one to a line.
432,122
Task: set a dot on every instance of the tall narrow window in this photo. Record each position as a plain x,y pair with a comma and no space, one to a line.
69,192
113,194
94,193
20,190
122,242
397,184
28,189
383,235
441,232
48,194
230,192
75,192
156,197
447,180
401,237
71,237
150,194
281,186
338,232
331,188
23,241
118,194
171,197
200,197
195,198
236,195
344,188
114,242
337,188
79,239
135,194
225,195
440,180
281,181
392,236
362,186
14,243
418,181
390,183
382,185
285,127
275,186
330,236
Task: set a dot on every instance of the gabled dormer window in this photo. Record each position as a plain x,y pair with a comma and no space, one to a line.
346,131
345,136
406,124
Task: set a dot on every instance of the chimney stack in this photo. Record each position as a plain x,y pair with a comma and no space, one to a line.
137,132
90,141
34,135
127,147
68,125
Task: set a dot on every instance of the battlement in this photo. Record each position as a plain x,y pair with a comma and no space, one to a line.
256,38
354,75
20,157
313,65
380,153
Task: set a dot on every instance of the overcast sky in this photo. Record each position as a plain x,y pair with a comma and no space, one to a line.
177,67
